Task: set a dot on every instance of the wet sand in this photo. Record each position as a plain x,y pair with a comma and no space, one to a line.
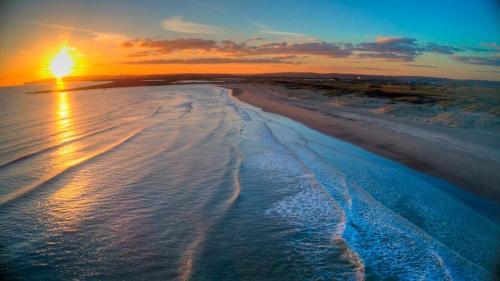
469,159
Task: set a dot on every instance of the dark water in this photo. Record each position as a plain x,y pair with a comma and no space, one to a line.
186,183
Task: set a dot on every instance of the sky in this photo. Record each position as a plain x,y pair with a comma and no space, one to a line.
455,39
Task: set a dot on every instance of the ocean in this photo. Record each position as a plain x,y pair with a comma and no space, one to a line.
185,182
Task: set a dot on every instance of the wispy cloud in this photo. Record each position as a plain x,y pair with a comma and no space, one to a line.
178,24
311,48
283,33
489,71
391,40
372,68
492,60
57,26
421,65
110,37
102,37
492,45
167,46
255,38
275,60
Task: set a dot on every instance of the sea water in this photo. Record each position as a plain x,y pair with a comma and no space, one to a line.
185,182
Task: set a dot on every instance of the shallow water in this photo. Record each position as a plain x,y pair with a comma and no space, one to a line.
186,183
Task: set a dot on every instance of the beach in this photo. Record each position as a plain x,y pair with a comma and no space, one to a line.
467,158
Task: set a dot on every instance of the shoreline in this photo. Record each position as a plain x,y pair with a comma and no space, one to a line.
467,159
438,152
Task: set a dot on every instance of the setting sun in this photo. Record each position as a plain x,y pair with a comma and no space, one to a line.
62,64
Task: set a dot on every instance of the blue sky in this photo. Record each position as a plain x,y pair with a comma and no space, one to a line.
445,21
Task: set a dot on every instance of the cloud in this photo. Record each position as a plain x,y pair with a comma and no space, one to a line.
492,60
422,65
101,37
486,47
390,48
233,48
312,48
282,33
57,26
214,61
439,49
373,68
255,38
492,46
393,40
168,46
390,56
178,24
399,49
489,71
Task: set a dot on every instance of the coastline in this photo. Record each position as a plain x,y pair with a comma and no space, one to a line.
462,159
468,159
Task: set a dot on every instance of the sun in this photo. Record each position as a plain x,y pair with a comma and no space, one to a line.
62,64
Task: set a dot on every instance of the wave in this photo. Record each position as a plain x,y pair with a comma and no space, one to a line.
19,193
393,247
317,218
79,138
386,243
195,248
53,147
236,176
188,106
79,123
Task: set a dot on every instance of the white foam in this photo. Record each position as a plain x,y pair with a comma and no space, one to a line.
389,244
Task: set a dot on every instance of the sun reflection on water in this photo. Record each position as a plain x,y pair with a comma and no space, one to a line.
68,202
64,122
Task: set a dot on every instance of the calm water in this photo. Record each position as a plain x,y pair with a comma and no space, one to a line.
186,183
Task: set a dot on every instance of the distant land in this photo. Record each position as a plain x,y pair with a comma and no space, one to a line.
166,79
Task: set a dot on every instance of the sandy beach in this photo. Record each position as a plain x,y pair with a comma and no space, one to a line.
468,158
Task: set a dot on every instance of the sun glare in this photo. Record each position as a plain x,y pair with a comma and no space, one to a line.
62,64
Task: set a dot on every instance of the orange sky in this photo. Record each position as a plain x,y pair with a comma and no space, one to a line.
93,57
159,43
